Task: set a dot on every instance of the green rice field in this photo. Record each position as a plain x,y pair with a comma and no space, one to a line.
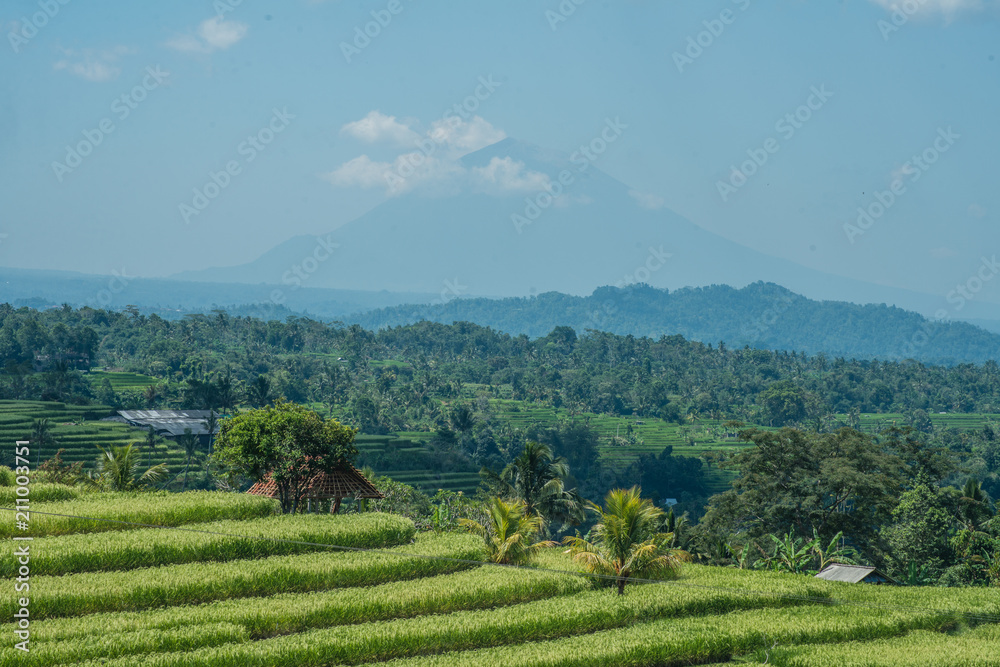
157,597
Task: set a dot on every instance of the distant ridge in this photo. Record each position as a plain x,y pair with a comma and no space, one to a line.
760,315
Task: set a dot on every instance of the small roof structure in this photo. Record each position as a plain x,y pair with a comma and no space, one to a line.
346,482
854,574
170,423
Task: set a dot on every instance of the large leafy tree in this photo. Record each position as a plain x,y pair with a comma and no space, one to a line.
537,479
288,442
805,482
627,542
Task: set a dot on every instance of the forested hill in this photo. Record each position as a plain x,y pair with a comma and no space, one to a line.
761,315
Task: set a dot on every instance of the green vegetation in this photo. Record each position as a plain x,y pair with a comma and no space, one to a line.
219,541
194,583
101,512
168,597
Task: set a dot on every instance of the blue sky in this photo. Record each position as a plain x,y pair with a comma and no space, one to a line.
167,95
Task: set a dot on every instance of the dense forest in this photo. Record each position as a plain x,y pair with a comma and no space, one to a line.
761,315
444,380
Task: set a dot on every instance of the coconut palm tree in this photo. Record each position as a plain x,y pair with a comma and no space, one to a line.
189,442
508,533
259,392
626,542
41,435
118,469
537,479
974,506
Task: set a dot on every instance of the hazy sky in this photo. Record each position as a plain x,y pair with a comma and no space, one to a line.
113,113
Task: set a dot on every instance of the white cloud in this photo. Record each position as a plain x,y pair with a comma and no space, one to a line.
435,166
504,175
377,127
465,136
404,174
362,171
214,34
947,8
92,65
647,200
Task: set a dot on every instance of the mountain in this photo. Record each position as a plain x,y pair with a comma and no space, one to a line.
761,315
173,298
474,240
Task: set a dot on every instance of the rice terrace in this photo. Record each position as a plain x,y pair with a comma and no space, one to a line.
502,333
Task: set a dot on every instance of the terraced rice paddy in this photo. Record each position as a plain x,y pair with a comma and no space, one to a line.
77,429
143,596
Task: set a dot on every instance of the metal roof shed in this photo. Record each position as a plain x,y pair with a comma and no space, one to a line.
854,574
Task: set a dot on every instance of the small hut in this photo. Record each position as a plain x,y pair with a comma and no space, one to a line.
345,482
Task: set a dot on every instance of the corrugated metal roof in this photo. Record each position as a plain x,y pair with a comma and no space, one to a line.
849,573
853,574
169,422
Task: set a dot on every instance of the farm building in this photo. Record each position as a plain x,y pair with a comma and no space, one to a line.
170,423
854,574
347,482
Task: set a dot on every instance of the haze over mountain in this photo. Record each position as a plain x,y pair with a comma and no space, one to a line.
761,315
494,230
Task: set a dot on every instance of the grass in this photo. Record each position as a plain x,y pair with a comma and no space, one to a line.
177,599
195,583
104,512
99,552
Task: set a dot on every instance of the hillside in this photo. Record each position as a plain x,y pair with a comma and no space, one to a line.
761,315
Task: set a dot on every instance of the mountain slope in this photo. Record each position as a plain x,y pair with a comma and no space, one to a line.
760,315
484,241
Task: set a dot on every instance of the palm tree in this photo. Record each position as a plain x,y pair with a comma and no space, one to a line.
509,533
537,479
189,442
41,435
118,470
225,393
259,392
974,506
150,394
211,425
150,445
627,543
